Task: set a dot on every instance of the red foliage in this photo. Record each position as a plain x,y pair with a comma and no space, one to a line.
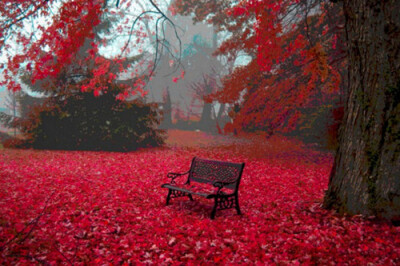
97,207
297,59
57,49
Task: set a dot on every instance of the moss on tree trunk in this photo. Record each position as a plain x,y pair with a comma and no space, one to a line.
365,178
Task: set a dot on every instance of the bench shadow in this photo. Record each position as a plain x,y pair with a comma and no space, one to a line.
199,207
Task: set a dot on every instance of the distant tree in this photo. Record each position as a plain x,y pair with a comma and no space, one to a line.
166,109
19,105
202,90
10,119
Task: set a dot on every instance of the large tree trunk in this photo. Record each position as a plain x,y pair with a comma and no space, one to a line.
365,178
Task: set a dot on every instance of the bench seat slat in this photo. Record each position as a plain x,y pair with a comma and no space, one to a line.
205,195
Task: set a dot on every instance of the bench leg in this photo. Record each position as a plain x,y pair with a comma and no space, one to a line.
190,197
214,210
237,205
169,196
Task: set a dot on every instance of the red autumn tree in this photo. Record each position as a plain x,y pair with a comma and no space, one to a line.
296,59
45,50
42,37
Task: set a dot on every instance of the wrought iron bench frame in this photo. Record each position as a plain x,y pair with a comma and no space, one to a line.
219,174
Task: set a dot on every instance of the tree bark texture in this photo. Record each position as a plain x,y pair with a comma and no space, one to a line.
167,110
365,178
206,123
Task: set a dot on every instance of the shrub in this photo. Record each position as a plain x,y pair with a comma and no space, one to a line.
11,143
82,121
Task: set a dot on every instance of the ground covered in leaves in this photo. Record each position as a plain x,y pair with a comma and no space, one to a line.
97,207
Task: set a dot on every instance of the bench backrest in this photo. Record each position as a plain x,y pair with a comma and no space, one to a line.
210,171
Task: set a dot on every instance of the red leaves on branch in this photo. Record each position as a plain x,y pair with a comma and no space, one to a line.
296,58
176,79
49,48
57,51
70,28
85,207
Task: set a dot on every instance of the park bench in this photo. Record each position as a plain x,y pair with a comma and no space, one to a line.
210,179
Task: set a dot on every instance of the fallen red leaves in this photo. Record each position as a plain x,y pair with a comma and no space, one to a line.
97,207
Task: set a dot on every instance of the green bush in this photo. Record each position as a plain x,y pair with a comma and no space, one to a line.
81,121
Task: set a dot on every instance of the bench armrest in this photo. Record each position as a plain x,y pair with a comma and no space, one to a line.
220,185
175,175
